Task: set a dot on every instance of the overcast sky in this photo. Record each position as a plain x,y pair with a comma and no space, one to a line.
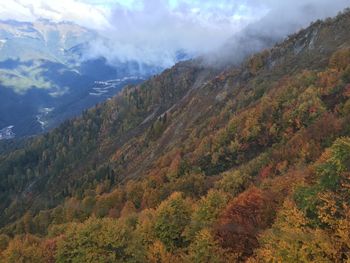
98,13
151,31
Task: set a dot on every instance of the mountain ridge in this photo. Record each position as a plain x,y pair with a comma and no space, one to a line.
243,145
128,92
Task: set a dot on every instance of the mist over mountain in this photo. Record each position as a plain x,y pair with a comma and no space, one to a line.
229,31
153,32
46,78
279,20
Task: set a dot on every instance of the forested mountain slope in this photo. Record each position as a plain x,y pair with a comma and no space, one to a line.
199,164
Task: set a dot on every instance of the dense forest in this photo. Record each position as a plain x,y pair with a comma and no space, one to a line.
250,163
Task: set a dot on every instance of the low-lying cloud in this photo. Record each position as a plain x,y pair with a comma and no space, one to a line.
155,31
282,19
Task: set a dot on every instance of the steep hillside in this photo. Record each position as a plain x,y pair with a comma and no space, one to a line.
197,164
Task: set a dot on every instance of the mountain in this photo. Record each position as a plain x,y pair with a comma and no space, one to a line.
45,78
248,163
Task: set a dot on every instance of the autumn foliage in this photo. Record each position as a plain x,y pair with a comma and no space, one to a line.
249,164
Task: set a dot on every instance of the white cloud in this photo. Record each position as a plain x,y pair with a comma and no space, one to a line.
152,31
60,10
281,19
